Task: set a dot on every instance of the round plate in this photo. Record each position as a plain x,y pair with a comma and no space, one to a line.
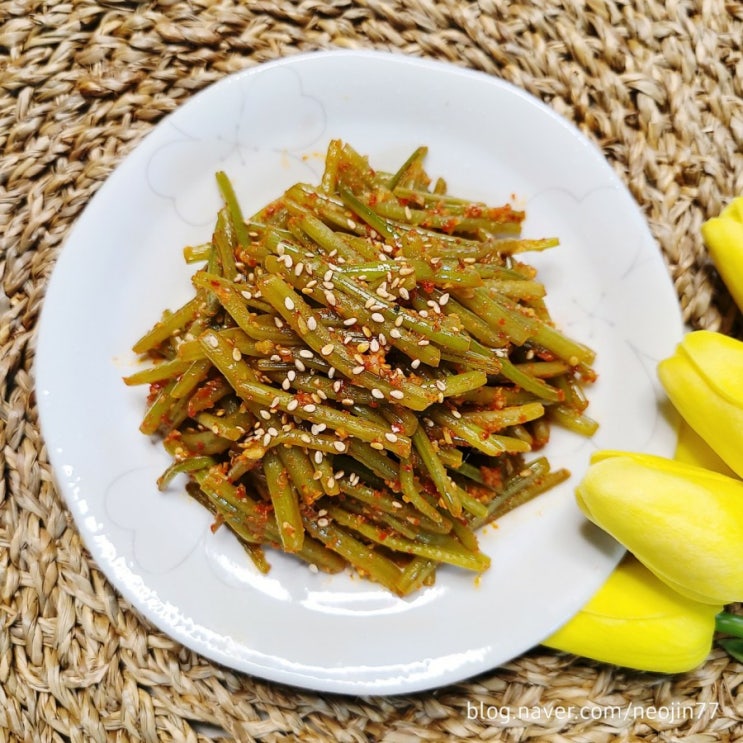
268,127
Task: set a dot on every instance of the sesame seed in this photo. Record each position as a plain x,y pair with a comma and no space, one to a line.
456,414
330,298
288,303
395,333
399,320
423,342
467,260
357,369
347,401
310,284
292,405
328,285
444,298
309,408
408,213
377,445
350,321
275,402
397,394
236,355
265,415
404,293
267,439
327,349
374,345
440,384
306,353
318,428
291,375
306,438
377,393
313,568
337,385
275,357
323,521
318,457
351,224
407,271
211,340
377,317
300,366
311,323
339,446
298,269
285,385
278,322
423,313
246,294
331,372
391,437
280,249
273,432
382,339
415,363
363,347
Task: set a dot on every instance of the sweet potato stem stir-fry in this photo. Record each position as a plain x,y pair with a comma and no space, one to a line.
362,373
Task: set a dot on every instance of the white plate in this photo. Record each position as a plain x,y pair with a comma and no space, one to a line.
268,127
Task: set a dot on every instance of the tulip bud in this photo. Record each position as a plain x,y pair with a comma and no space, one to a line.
704,381
637,621
724,238
683,522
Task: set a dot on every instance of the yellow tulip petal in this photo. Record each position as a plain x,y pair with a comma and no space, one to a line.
684,523
723,236
691,448
635,620
703,381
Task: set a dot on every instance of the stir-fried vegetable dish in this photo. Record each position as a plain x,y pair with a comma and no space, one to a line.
365,373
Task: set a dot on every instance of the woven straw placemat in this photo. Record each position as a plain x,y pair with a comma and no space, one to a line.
656,85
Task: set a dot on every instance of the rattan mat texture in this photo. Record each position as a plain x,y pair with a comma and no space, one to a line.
657,85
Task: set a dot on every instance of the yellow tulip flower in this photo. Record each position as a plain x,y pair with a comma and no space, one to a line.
704,381
724,238
683,522
637,621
